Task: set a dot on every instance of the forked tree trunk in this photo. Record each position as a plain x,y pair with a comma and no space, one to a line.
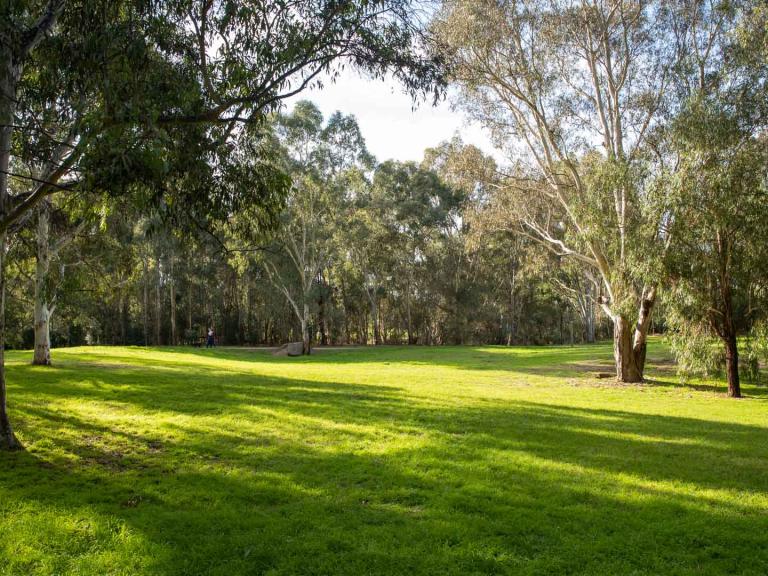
42,310
628,365
630,342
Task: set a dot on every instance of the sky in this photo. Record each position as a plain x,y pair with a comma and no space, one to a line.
390,126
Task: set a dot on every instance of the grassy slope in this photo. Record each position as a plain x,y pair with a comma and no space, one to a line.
385,461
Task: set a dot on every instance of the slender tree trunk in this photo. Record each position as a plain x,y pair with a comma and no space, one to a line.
145,265
172,287
382,324
158,305
241,321
732,365
589,317
408,317
305,336
375,322
590,324
322,320
42,310
249,331
511,315
123,315
190,291
728,335
344,302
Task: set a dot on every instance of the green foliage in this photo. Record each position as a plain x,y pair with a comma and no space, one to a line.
696,351
755,355
716,214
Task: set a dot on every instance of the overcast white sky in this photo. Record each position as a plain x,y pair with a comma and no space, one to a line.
392,130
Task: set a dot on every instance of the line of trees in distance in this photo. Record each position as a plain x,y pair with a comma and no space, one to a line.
152,184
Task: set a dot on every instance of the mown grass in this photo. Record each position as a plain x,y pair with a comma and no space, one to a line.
378,461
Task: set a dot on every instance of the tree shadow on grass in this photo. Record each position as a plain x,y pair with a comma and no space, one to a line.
464,357
584,365
332,478
365,411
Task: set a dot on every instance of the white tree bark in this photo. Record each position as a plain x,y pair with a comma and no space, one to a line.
43,310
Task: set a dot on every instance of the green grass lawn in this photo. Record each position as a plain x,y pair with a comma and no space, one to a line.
378,461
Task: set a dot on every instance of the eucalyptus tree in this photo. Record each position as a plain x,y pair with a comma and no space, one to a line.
368,247
472,176
414,212
327,161
719,190
125,95
69,221
574,89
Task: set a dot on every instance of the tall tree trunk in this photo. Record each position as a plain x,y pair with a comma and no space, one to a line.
305,336
241,321
249,331
158,305
732,365
375,321
344,302
172,288
408,317
145,265
728,334
9,75
190,291
8,439
589,316
322,319
42,310
123,315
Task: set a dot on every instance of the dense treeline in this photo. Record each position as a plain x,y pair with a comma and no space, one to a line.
154,108
151,189
392,253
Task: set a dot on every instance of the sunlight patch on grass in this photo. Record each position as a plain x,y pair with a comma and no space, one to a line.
476,460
